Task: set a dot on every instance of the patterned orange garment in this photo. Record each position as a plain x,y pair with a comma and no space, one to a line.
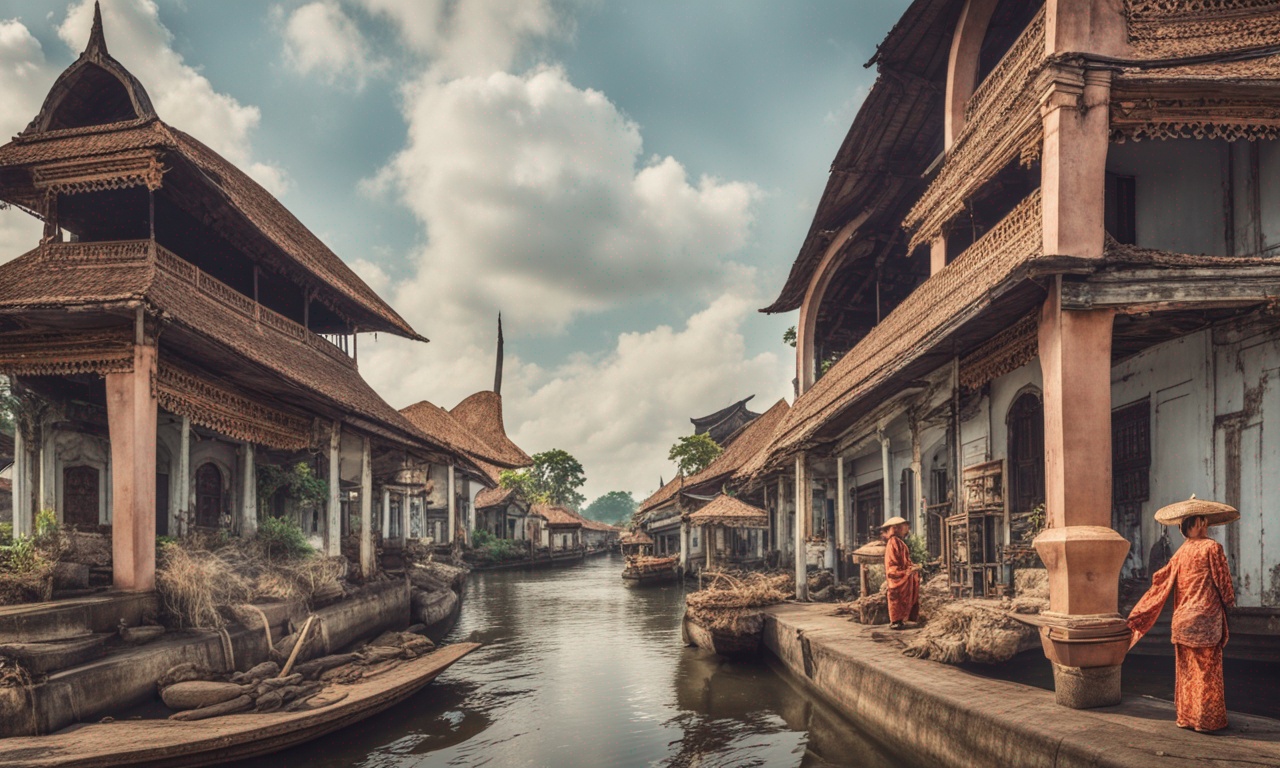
1201,582
904,581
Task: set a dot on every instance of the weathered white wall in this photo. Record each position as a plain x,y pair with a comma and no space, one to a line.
1179,203
1269,191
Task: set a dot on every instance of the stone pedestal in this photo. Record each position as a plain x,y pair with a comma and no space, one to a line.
1086,687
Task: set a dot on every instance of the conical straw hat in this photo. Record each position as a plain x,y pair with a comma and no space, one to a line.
893,521
1217,512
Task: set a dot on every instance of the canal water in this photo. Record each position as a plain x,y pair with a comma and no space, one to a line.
579,670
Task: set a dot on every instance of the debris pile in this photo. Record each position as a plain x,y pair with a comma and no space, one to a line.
644,564
732,602
435,592
197,693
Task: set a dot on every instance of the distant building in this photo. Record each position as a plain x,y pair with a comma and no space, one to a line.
723,425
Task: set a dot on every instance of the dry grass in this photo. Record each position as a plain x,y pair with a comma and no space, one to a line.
732,602
200,578
972,630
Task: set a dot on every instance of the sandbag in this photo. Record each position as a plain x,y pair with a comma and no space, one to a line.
199,693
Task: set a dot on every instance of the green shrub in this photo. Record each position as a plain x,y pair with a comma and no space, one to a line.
46,523
282,539
6,534
22,555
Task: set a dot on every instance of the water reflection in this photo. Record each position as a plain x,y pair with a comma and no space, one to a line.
579,670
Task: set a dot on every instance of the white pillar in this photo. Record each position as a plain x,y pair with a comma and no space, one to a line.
333,521
782,541
184,475
917,482
366,509
684,545
386,512
842,503
21,486
830,553
248,494
48,498
885,488
804,502
453,507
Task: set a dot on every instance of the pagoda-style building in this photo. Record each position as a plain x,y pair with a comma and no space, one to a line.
175,328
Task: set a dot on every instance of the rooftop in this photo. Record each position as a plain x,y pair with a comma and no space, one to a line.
729,511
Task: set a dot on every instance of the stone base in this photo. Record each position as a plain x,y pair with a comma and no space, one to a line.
1086,687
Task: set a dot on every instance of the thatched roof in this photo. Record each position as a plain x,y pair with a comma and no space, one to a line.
436,421
481,413
97,110
494,497
636,539
731,512
557,516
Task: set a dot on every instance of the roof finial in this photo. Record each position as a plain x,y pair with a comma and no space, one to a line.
97,41
497,373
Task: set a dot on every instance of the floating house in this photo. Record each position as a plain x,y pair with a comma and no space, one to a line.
1036,303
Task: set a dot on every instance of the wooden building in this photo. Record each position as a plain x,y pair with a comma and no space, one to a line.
1038,290
726,423
176,328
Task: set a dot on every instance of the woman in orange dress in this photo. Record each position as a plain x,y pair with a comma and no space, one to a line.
1199,577
902,575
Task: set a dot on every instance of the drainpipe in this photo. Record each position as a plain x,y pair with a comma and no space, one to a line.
804,504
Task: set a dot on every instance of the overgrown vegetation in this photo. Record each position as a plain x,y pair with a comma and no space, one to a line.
494,549
299,481
615,507
203,578
694,453
27,562
919,550
8,405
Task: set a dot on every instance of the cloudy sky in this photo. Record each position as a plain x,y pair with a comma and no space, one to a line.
627,182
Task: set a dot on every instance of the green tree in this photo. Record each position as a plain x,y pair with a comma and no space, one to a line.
6,407
693,453
789,336
554,478
614,507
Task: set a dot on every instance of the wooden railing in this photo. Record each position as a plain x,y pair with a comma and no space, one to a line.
150,252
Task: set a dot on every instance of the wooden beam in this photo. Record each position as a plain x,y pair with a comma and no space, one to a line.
1136,293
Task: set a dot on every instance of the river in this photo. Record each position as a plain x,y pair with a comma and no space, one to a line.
579,670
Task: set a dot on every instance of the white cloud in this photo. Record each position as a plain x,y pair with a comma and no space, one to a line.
25,76
321,38
471,37
534,201
617,412
181,95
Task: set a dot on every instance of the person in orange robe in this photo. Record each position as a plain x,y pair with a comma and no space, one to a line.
902,575
1200,579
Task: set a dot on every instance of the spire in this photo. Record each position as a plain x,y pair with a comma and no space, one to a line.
497,373
97,40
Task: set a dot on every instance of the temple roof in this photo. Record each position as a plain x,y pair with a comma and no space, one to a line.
731,512
98,110
481,413
434,420
662,495
556,515
723,425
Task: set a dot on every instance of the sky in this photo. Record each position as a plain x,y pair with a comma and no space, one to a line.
626,182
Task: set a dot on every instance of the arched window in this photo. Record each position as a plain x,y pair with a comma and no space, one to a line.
1026,457
208,495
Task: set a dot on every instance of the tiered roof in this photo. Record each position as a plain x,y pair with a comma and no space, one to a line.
725,424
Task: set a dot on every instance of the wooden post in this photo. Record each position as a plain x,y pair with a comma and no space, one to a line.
131,420
366,509
804,504
333,516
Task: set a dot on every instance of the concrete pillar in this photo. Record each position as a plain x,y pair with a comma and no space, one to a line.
48,498
804,512
131,421
1074,110
22,517
333,510
453,507
386,512
248,492
842,503
366,510
184,479
784,542
917,479
684,544
886,465
1085,637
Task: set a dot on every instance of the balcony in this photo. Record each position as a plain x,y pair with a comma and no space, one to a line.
139,252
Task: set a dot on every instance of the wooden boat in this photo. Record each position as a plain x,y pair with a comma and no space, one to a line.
743,642
651,570
169,743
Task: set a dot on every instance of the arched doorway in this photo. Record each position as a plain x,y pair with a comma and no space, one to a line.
80,486
1026,461
208,495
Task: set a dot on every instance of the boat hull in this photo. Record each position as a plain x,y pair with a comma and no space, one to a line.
733,645
638,579
170,743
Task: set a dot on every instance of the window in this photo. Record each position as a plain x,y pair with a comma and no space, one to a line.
1026,460
1120,215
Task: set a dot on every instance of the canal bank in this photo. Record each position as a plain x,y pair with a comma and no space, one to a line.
945,716
579,670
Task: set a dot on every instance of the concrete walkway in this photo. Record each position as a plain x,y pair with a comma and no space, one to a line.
944,716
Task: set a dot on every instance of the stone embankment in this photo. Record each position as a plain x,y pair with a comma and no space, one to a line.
945,716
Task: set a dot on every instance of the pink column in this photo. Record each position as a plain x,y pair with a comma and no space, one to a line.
131,419
1085,638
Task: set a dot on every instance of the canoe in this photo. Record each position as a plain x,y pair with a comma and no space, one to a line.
730,644
636,577
169,743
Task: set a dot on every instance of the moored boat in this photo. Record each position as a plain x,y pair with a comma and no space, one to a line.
741,638
641,570
157,743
